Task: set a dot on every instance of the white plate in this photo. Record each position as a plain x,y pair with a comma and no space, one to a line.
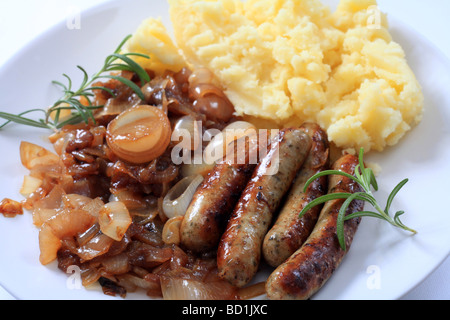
383,263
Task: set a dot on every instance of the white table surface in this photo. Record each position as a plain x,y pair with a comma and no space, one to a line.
23,20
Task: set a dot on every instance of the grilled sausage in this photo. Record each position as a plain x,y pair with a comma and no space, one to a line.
239,250
212,205
307,270
289,231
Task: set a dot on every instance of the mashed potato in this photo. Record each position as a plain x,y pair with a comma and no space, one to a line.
283,62
152,39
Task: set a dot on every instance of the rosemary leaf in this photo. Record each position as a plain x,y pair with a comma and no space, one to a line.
366,179
327,173
393,194
142,74
21,120
128,83
341,218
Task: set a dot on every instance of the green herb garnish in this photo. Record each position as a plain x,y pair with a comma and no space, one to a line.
71,99
366,179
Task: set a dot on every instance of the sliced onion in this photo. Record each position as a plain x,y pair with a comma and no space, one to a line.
68,223
117,264
75,201
90,276
53,200
114,220
252,291
131,200
215,108
138,282
171,231
221,143
97,246
93,207
30,184
86,236
196,169
32,155
209,99
188,130
178,198
184,289
115,106
140,134
147,256
49,245
41,215
201,75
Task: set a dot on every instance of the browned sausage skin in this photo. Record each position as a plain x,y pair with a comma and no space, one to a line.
212,204
289,231
307,270
239,250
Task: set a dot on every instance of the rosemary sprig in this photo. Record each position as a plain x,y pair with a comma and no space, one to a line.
71,98
366,179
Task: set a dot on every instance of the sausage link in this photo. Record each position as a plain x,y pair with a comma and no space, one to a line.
239,250
289,231
212,205
307,270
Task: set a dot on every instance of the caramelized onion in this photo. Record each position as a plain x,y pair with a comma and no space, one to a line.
116,106
130,199
140,134
33,155
189,289
178,198
30,184
40,215
196,169
66,223
252,291
114,220
97,246
10,208
221,142
75,201
189,131
171,231
199,76
216,108
117,264
49,245
208,98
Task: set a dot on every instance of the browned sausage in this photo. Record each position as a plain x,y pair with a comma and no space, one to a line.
212,205
289,231
239,250
307,270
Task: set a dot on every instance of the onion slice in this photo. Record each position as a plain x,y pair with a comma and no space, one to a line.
188,130
171,231
114,220
178,198
190,289
32,155
140,134
223,142
30,184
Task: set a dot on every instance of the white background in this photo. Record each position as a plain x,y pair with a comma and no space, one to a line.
22,20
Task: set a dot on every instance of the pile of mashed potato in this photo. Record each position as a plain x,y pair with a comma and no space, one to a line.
283,62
